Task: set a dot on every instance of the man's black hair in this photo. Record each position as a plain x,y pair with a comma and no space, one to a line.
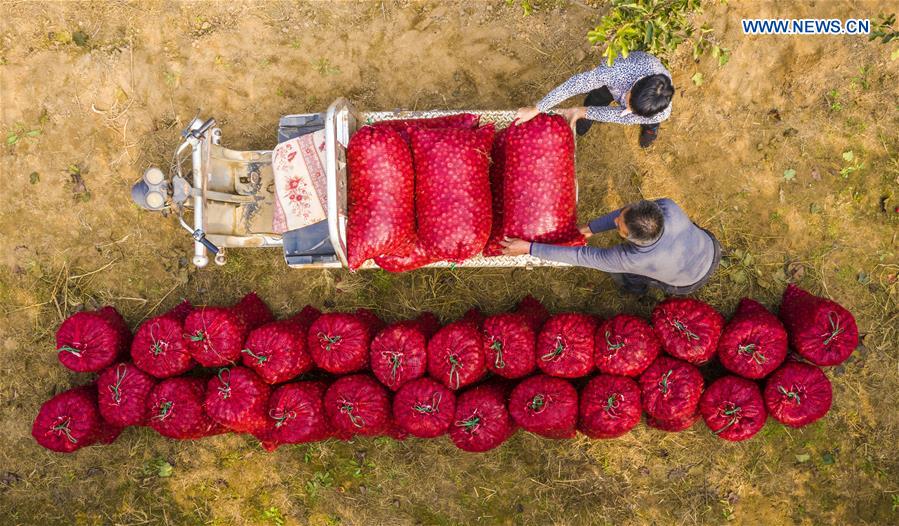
650,95
644,222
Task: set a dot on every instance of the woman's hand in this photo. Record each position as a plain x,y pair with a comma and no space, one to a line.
585,230
572,115
526,114
515,247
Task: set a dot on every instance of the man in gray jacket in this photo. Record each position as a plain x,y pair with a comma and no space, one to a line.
663,249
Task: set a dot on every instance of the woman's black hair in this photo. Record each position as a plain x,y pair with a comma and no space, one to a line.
651,94
644,221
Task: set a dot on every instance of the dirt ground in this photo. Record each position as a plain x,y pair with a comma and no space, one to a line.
96,92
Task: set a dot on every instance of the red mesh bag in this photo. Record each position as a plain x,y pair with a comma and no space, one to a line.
497,168
424,408
371,320
754,343
733,408
565,345
399,354
625,345
253,311
674,425
455,356
533,311
215,335
339,343
820,330
610,406
538,182
689,329
545,406
401,126
509,344
296,415
159,347
357,405
482,421
381,195
277,351
417,257
90,341
670,388
452,190
69,421
474,316
305,317
122,391
237,398
176,409
428,323
798,394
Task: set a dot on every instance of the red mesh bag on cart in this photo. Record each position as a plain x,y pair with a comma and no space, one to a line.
296,415
90,341
424,408
176,409
122,391
460,120
215,335
798,394
428,323
497,168
733,408
565,345
674,425
381,195
452,190
418,257
610,406
399,354
339,343
545,406
533,311
474,316
625,345
753,343
689,329
820,330
670,388
455,356
277,351
538,182
69,421
237,398
159,347
253,311
482,421
357,405
509,344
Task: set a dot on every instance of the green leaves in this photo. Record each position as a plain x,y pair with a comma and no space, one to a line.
657,27
697,79
848,156
789,174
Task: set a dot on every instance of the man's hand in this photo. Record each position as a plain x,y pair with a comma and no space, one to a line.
585,230
526,114
515,247
572,115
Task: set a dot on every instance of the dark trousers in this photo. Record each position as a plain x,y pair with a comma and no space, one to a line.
603,97
637,284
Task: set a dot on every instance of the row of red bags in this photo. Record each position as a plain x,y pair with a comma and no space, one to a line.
635,375
444,189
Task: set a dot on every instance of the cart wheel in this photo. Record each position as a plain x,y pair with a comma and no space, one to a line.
200,261
220,258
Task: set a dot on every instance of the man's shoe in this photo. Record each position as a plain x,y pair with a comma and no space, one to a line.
582,126
648,136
